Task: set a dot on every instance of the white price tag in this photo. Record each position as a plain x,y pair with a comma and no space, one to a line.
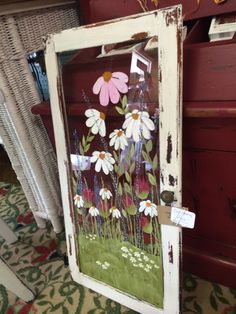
182,217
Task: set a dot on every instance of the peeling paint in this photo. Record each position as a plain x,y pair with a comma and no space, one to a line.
171,17
170,253
171,180
169,149
162,178
69,192
139,36
70,246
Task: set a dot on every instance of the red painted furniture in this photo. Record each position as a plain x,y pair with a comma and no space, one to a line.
209,134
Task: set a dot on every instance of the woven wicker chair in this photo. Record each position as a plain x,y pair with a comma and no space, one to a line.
24,136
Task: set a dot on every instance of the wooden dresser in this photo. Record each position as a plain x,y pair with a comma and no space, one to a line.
209,134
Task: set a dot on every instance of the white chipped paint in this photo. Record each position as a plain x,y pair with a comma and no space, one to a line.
170,64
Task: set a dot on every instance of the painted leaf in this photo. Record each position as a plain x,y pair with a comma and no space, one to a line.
119,110
132,151
90,138
149,146
121,170
145,156
124,101
131,210
83,141
86,148
132,167
127,176
104,214
142,195
152,179
81,149
148,228
154,163
120,190
124,213
127,188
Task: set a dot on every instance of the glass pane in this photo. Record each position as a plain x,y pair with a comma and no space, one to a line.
112,104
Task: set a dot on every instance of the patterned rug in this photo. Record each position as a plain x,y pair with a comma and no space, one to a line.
38,258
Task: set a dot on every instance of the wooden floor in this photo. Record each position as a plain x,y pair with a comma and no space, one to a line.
7,174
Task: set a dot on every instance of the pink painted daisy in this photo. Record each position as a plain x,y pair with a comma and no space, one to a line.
109,86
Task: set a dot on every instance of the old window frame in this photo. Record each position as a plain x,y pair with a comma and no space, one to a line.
166,24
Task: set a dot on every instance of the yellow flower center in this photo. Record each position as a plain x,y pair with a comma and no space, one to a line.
135,116
120,133
148,204
107,76
102,156
102,115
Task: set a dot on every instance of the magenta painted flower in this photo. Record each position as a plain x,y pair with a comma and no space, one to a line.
141,187
109,86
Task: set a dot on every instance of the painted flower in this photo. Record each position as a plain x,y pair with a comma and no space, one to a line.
93,211
118,139
138,124
148,207
105,193
141,188
109,86
115,212
103,161
87,196
129,205
124,249
96,121
78,201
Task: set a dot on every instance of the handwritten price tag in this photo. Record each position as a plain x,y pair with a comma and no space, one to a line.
182,217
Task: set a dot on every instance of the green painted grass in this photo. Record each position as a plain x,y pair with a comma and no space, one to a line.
123,266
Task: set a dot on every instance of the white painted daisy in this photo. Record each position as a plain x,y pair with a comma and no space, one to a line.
124,249
115,212
96,121
132,259
105,193
103,161
78,201
138,124
118,139
148,207
93,211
